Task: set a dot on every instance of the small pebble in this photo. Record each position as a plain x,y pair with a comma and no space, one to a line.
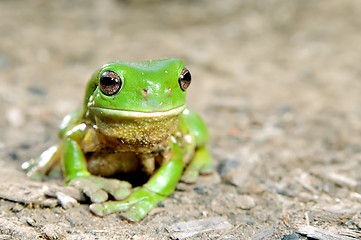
49,203
70,191
31,222
235,170
25,145
293,236
15,117
160,205
199,190
13,155
245,202
37,91
17,208
182,230
66,201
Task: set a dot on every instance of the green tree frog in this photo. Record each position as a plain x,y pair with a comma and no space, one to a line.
133,123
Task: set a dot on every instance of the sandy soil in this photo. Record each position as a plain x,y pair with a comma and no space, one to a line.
277,81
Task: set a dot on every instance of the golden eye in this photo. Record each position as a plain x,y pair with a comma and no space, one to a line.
184,79
110,83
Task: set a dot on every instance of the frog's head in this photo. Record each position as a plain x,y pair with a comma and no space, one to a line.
137,101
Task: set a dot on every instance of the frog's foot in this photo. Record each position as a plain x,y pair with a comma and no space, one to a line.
134,208
44,165
31,169
97,188
200,164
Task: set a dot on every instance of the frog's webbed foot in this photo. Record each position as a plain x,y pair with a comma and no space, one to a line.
200,164
44,165
134,208
97,188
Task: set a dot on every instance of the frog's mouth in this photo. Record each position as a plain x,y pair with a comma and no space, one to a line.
135,131
116,114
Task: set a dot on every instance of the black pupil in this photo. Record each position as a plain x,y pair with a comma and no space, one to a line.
187,77
108,81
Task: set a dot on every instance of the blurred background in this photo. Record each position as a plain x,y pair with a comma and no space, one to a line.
276,78
242,54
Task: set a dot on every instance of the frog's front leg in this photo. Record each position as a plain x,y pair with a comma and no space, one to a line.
145,198
45,164
77,175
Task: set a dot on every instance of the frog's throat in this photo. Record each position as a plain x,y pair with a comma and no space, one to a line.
134,131
121,114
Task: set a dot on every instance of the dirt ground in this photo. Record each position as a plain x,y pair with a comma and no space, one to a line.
278,83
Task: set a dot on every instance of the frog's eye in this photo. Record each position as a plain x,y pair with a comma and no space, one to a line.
184,79
110,83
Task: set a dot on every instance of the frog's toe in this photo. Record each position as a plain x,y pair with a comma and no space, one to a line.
142,201
135,214
32,170
118,189
98,209
206,170
121,194
89,188
28,165
109,207
190,177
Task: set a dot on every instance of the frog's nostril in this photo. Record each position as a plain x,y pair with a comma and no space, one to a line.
145,93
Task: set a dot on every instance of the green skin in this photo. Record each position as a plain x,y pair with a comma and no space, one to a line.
144,127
